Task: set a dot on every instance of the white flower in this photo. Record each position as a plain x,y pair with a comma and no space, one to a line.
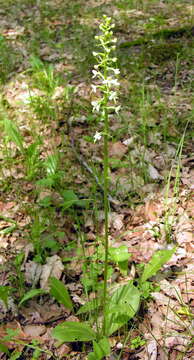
95,73
117,109
95,53
94,87
116,71
114,59
113,96
96,105
97,136
111,82
114,40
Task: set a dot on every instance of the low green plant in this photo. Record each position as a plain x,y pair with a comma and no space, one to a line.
44,79
30,153
43,76
137,342
170,211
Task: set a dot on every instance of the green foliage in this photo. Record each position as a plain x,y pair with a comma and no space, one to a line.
89,306
13,133
30,294
70,331
4,293
43,76
150,115
101,349
122,306
60,293
32,160
137,342
156,262
120,256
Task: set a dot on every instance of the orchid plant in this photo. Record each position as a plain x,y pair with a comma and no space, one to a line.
106,74
119,304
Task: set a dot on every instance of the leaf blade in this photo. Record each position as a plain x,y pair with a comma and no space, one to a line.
60,293
71,331
123,305
30,294
157,261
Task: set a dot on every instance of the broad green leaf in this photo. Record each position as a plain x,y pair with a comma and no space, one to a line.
101,348
60,293
157,261
123,267
4,349
122,306
119,254
71,331
30,294
89,306
91,356
70,198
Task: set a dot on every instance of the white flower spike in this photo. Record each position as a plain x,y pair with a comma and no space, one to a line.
97,136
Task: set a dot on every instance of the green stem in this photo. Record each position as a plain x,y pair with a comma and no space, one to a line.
106,211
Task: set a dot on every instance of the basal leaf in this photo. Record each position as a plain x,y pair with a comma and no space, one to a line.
119,254
89,306
71,331
60,293
122,306
70,198
101,348
157,261
30,294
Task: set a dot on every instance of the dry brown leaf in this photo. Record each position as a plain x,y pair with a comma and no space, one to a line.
62,351
117,149
33,271
171,290
152,350
153,210
53,267
153,173
178,342
183,230
162,299
117,220
34,330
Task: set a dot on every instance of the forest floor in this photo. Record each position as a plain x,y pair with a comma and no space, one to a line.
51,198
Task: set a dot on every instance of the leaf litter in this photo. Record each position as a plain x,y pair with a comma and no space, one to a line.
141,228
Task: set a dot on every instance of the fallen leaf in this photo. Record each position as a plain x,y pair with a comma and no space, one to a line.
117,149
153,173
34,330
53,267
33,271
152,350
